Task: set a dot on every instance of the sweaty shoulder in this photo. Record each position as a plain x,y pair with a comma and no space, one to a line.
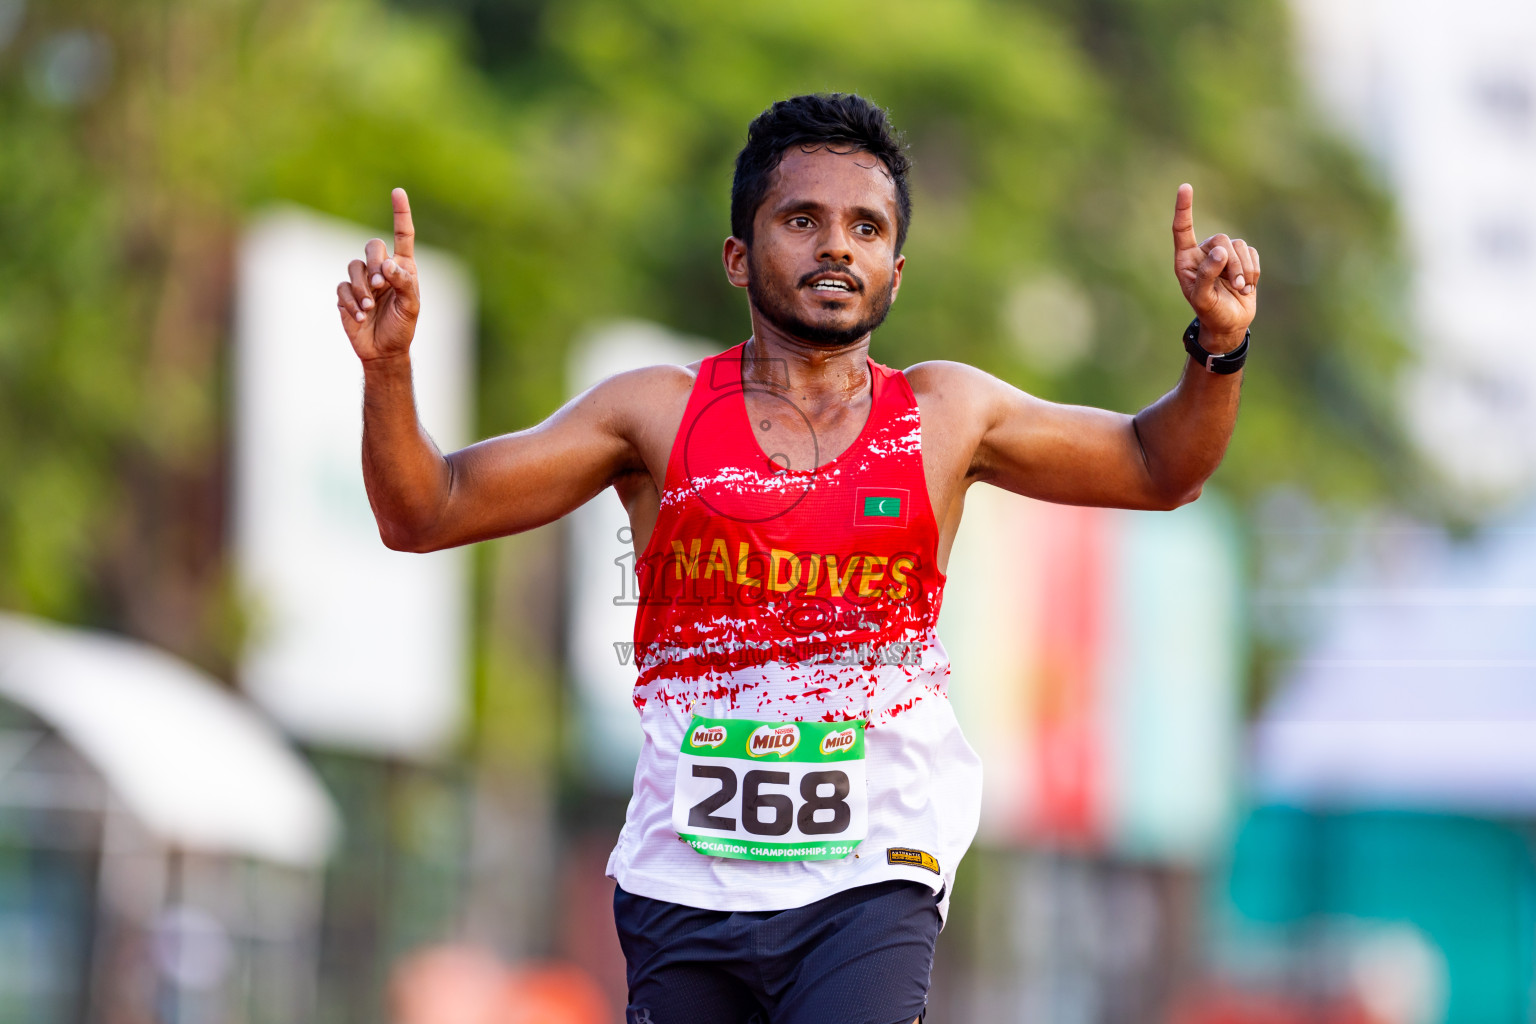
955,393
937,376
959,405
640,395
652,380
642,408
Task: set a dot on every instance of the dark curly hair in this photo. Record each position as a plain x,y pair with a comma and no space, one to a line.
818,119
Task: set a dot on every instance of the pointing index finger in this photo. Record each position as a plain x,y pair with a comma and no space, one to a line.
405,231
1184,219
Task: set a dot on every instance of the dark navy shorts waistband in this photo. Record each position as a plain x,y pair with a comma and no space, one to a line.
861,956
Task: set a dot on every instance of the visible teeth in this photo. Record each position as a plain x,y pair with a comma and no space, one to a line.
831,286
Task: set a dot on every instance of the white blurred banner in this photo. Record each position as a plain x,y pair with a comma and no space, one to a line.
353,645
1099,658
601,565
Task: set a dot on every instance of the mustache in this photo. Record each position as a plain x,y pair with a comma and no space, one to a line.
829,267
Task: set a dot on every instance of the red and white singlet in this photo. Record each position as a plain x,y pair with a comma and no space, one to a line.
781,595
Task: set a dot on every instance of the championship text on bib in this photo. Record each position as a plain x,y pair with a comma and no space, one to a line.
771,790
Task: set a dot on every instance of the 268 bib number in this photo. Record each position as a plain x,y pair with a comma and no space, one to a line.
771,790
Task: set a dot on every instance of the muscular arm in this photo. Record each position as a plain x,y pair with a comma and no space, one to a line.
407,478
1184,435
1157,459
424,501
1075,455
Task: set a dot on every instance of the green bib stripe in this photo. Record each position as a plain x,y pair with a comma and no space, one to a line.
773,743
741,850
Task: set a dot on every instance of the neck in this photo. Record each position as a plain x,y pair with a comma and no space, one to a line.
786,363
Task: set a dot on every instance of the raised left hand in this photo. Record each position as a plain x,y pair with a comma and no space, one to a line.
1219,277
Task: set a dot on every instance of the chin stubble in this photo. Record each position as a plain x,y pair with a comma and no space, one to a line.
781,317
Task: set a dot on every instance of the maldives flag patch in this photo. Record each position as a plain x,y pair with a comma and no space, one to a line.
881,506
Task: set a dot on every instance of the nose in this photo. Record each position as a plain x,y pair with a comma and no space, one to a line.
834,247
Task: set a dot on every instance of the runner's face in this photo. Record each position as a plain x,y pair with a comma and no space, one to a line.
822,266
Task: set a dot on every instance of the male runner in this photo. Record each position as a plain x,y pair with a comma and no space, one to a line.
803,794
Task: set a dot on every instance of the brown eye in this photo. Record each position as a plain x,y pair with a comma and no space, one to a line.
800,222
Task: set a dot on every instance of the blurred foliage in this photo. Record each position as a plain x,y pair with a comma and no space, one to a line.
1048,140
578,156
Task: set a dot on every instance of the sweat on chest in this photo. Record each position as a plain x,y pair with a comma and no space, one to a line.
792,438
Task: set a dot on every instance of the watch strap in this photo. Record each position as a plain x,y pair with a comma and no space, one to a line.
1215,362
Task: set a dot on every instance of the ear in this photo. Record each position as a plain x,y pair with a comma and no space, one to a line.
901,261
735,259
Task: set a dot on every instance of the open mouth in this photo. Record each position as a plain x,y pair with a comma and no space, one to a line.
833,284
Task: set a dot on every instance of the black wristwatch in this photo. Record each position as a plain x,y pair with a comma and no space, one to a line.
1225,362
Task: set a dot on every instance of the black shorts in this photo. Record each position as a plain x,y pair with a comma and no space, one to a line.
861,956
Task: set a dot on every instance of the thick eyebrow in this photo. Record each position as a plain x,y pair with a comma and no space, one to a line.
793,205
878,216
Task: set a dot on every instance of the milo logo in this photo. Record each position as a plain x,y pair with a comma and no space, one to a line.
773,739
708,736
837,742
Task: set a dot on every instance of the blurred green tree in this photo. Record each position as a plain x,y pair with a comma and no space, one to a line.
137,137
1048,138
578,156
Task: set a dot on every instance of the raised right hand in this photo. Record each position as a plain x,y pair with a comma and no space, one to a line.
380,299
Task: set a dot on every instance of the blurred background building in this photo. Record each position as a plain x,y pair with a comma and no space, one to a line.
1442,99
1264,759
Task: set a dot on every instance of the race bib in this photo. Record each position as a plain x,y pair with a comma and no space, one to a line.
771,790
